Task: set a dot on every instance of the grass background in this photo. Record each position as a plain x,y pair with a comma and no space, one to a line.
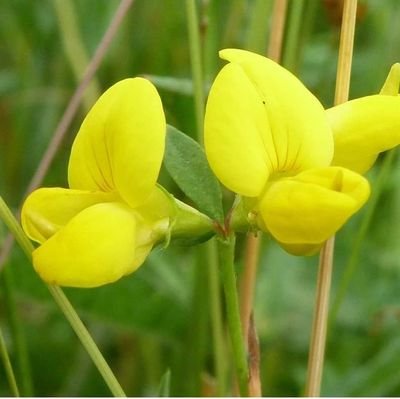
150,321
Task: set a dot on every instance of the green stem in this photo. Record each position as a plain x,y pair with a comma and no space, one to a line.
353,261
290,55
8,366
216,318
65,306
226,249
22,356
196,62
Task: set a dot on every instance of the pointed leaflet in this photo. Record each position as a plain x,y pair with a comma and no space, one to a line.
187,164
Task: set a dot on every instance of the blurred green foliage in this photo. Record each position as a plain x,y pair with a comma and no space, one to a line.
145,323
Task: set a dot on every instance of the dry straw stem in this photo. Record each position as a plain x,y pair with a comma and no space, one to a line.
253,243
71,111
319,328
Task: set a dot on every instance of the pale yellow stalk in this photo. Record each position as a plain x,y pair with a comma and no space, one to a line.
320,321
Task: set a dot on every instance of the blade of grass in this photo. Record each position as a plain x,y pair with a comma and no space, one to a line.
19,339
320,320
8,366
292,38
62,301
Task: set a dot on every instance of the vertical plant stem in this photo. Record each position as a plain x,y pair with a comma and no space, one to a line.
258,26
8,366
216,319
21,350
196,63
226,248
277,29
69,312
319,328
290,56
248,280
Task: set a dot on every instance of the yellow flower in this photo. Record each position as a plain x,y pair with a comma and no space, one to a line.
104,226
269,139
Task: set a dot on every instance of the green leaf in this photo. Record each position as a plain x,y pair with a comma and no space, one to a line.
187,164
165,384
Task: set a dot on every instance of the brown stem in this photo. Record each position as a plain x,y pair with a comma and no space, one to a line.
320,322
253,243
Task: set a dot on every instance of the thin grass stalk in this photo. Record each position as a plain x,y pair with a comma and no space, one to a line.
74,48
217,326
258,27
277,30
12,382
320,320
292,37
196,65
71,110
23,365
62,301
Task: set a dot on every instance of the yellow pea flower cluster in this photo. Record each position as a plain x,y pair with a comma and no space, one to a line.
266,137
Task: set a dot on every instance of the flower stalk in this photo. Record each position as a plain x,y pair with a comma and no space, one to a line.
226,248
320,321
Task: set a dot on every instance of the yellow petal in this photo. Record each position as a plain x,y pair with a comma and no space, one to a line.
96,247
299,129
120,144
304,211
46,210
233,140
363,128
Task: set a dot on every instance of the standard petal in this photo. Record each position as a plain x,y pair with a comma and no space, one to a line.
96,247
234,119
304,211
298,126
47,210
120,144
363,128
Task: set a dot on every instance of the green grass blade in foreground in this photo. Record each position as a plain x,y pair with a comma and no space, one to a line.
8,366
165,383
65,306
